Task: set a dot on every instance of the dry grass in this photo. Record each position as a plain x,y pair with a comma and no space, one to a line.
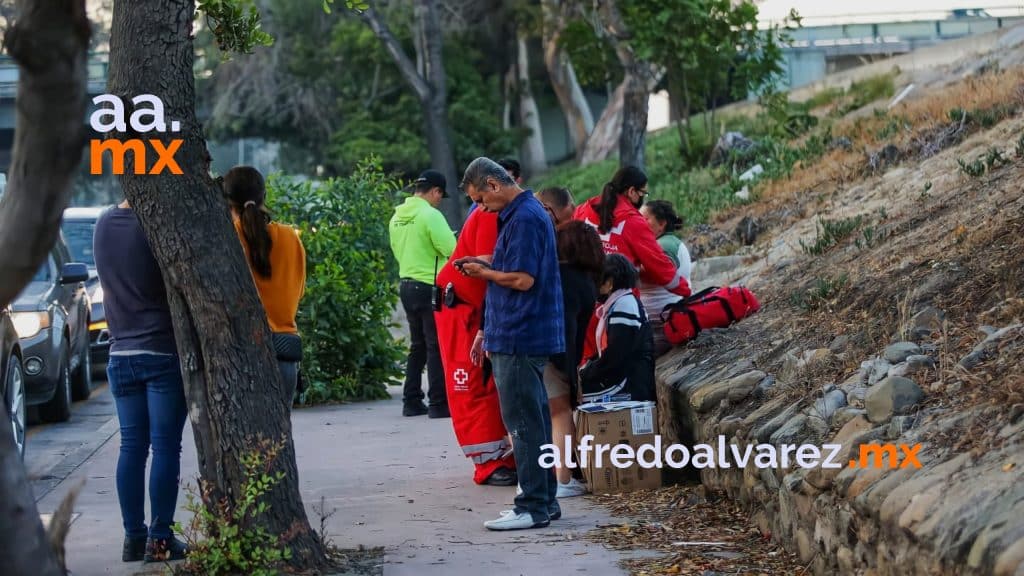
921,121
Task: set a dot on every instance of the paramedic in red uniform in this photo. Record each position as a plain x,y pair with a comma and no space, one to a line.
472,396
623,230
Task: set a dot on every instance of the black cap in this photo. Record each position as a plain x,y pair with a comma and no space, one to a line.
432,179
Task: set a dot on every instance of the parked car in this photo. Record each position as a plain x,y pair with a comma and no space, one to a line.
51,316
12,379
78,227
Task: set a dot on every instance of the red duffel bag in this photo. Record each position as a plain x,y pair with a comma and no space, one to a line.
710,308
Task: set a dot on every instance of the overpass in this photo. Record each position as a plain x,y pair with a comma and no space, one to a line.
817,51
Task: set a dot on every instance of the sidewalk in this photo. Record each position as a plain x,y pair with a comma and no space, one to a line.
396,482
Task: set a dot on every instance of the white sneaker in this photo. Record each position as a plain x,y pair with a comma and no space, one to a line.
519,489
571,489
509,520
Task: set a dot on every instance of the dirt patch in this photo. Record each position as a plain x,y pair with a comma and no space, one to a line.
695,531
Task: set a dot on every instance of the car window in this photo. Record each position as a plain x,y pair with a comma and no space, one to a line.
78,236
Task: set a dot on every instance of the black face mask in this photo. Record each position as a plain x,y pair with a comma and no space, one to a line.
602,298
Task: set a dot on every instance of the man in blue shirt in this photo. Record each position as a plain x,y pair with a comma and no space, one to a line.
522,326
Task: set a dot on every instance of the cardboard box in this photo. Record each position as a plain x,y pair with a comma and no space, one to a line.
614,423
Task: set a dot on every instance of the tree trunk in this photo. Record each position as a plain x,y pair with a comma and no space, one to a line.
435,108
679,100
638,82
534,159
632,141
24,547
231,378
604,140
431,90
570,96
49,42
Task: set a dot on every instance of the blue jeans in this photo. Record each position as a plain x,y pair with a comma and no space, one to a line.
524,409
151,409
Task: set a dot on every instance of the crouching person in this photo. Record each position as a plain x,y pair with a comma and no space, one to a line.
624,364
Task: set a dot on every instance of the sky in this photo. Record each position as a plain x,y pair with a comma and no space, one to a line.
826,12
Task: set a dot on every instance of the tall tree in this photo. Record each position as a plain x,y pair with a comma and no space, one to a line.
429,82
533,155
639,79
49,41
231,377
557,14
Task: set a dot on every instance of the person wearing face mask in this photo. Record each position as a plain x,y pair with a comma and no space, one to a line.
623,230
624,359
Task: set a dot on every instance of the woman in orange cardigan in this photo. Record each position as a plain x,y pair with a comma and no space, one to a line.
277,261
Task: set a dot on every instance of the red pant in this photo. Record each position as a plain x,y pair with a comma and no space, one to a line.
473,403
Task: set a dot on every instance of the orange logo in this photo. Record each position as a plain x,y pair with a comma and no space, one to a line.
886,456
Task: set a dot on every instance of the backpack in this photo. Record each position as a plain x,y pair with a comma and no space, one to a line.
710,308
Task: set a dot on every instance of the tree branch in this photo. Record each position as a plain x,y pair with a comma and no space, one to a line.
405,65
49,41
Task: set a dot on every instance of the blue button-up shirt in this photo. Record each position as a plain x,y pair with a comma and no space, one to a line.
525,322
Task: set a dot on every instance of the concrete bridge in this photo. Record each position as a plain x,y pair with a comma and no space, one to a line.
817,51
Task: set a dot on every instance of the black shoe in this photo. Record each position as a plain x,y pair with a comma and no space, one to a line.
554,513
439,411
414,409
502,477
165,550
134,549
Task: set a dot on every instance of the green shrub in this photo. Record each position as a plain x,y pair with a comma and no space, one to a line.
225,540
830,233
348,352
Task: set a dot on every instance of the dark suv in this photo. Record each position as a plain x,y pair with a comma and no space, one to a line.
78,227
51,316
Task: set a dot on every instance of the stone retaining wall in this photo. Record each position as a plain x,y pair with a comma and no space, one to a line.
962,512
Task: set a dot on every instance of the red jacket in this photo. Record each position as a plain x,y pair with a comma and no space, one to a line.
632,237
478,236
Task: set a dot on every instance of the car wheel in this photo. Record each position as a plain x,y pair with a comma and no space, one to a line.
58,409
81,384
16,402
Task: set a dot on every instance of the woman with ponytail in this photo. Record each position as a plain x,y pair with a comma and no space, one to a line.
623,230
277,261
